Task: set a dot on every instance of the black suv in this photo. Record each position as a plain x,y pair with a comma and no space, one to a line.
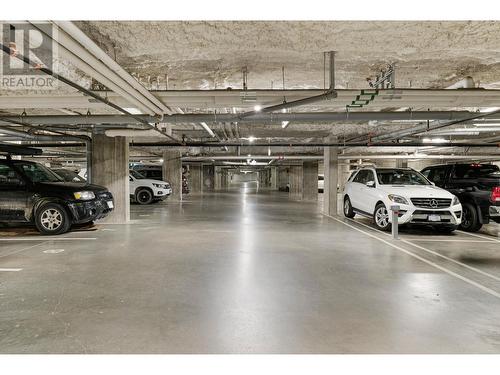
477,186
31,192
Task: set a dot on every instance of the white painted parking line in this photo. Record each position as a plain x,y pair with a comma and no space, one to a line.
436,240
53,251
48,239
480,236
449,272
21,250
487,274
10,269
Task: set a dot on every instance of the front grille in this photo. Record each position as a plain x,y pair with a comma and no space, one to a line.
105,195
431,202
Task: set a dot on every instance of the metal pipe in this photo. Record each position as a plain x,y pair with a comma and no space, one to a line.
260,118
332,70
88,64
343,157
85,41
27,60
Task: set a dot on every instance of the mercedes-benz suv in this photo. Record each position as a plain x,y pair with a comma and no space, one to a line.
372,191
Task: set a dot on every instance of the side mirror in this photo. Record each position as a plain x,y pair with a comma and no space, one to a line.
370,184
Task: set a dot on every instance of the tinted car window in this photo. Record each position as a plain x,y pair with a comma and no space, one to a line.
475,171
38,172
8,177
400,177
361,177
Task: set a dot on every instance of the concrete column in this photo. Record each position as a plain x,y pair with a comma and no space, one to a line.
195,181
344,174
110,169
172,173
310,181
208,178
282,177
331,166
274,178
218,178
224,179
296,177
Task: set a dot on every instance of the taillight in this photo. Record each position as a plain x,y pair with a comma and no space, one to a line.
495,194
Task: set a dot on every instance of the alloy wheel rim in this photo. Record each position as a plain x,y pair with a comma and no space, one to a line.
144,196
51,219
382,217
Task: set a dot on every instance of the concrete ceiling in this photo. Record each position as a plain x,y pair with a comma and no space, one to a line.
211,56
208,55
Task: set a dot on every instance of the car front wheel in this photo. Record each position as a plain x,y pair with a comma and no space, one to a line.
348,211
144,196
381,217
52,218
470,218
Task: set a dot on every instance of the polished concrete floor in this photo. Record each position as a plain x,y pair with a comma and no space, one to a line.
248,272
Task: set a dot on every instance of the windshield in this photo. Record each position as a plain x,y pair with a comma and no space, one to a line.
400,177
38,172
137,175
68,175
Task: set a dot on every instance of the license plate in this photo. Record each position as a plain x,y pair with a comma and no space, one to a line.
110,204
434,218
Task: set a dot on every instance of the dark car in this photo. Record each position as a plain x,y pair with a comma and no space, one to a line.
477,186
31,192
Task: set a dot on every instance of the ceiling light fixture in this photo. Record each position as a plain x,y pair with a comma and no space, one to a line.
284,124
257,108
434,140
251,139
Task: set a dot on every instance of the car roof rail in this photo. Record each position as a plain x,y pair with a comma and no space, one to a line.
9,150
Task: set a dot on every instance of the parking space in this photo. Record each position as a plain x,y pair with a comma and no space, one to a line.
252,273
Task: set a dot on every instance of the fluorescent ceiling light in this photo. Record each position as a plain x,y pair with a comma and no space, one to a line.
489,109
434,140
251,139
133,110
207,128
284,124
487,124
257,108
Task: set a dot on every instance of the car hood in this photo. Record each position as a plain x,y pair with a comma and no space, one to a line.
416,191
72,186
149,181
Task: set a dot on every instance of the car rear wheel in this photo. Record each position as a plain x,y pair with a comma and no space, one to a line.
470,218
144,196
52,218
348,211
381,217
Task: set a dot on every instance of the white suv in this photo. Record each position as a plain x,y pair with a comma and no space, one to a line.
372,191
146,191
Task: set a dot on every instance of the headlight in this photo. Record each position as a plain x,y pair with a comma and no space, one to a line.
160,186
455,201
84,195
398,199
